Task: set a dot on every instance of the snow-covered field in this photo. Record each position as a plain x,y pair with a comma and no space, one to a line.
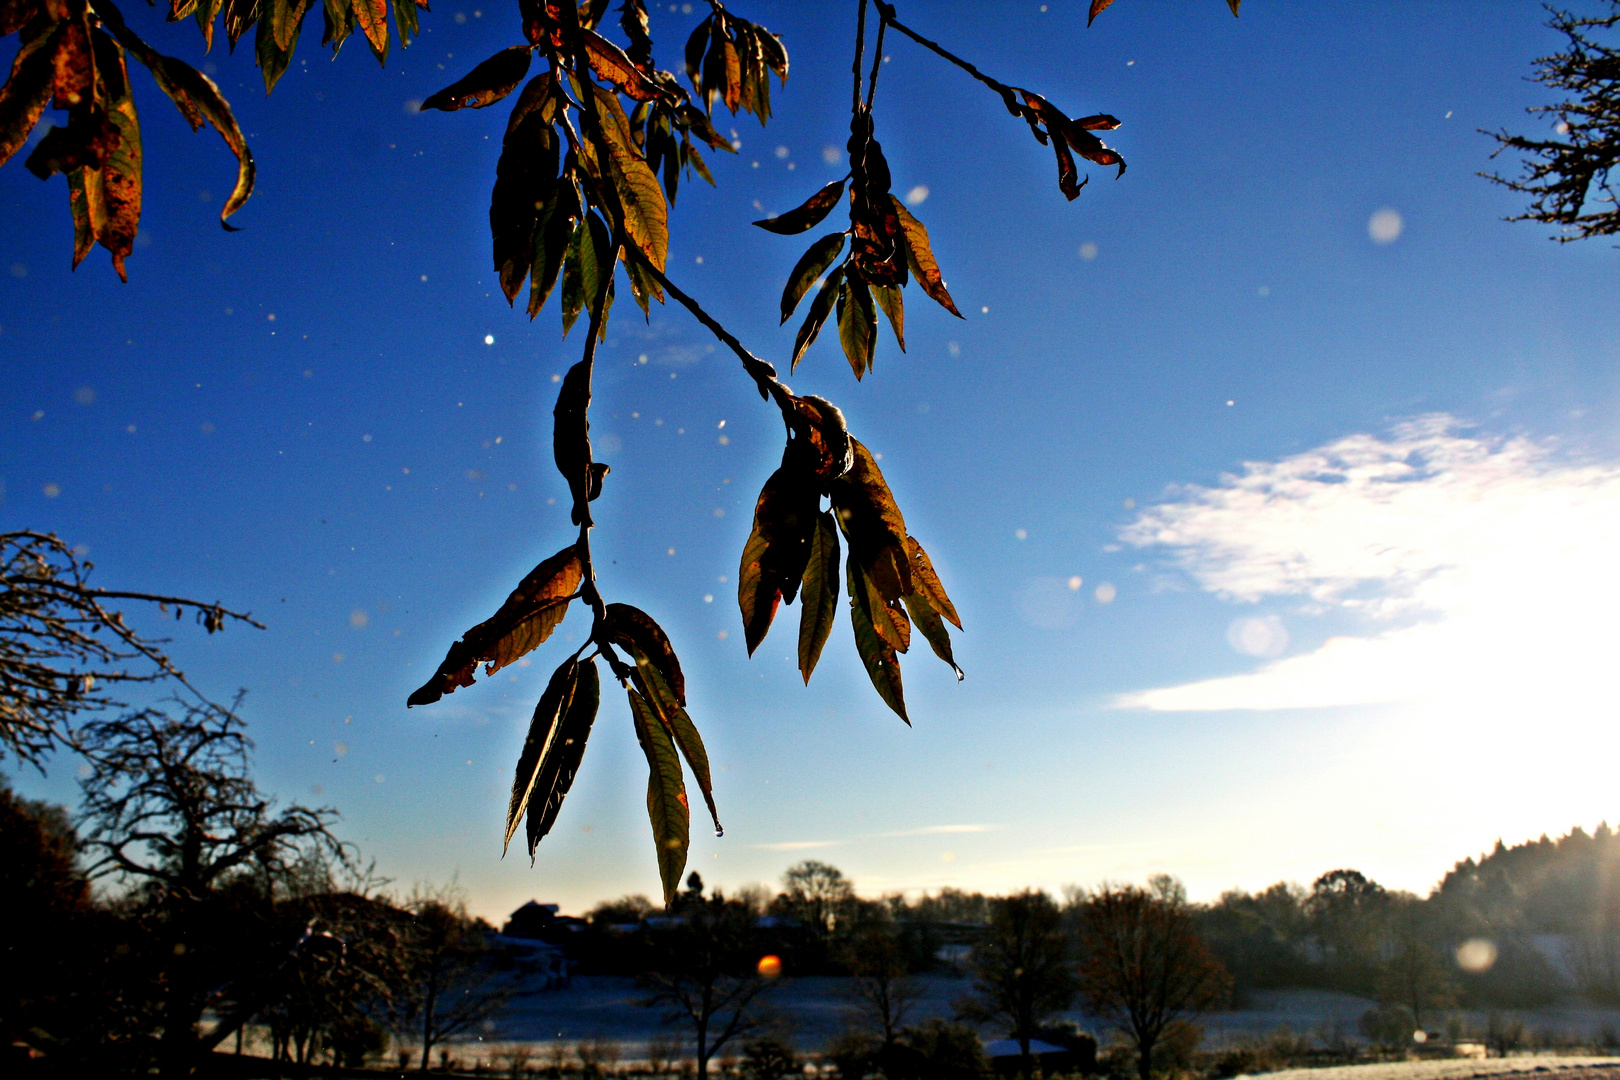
813,1010
1561,1068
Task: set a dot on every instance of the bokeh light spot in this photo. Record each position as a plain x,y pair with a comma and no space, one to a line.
1385,225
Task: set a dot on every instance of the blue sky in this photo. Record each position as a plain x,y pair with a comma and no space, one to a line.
1341,508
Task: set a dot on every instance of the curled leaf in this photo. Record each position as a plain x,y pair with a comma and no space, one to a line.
635,629
827,448
807,216
612,65
571,437
485,84
523,622
197,98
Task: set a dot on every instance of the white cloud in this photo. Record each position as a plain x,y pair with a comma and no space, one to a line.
1483,571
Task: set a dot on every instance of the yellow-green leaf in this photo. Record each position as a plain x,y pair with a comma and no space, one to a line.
889,298
661,698
811,265
646,215
820,308
87,201
667,808
857,325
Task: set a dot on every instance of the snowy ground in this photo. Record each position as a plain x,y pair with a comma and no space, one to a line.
813,1010
1545,1068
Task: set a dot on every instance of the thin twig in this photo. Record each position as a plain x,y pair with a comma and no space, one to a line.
886,10
860,48
762,372
877,58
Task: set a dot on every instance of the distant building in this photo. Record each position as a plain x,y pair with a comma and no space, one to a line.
542,923
544,941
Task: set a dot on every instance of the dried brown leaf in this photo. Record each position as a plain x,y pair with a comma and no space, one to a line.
877,656
873,524
522,623
488,82
778,547
920,257
808,215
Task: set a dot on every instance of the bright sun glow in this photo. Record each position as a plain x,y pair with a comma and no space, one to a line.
1474,571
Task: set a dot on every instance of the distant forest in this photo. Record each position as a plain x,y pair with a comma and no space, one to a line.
1521,926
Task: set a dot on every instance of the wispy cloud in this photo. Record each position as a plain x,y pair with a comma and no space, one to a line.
927,830
1479,568
797,845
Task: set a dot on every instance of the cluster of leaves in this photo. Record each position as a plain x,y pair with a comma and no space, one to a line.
793,551
73,55
729,59
887,244
1568,178
560,209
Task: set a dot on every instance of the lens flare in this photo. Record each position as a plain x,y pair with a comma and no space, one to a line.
1476,955
770,966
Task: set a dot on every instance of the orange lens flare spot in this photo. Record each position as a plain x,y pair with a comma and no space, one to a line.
770,966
